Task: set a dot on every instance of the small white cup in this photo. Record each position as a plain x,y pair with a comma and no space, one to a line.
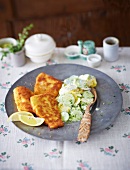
111,49
94,60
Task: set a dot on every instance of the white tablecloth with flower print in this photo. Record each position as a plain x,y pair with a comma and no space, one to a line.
107,150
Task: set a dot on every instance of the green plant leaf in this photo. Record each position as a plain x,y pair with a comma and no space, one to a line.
20,42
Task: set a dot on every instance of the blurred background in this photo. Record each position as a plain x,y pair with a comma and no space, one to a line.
68,20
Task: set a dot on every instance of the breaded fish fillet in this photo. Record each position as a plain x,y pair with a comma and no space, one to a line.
47,84
22,98
46,106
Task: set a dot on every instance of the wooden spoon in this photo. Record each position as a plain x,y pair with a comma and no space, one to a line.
85,125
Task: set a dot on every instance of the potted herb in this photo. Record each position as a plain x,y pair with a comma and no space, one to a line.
17,51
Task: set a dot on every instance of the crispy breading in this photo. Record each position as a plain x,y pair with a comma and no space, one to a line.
47,84
46,106
22,98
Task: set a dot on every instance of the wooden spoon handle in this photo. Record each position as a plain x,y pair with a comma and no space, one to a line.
84,129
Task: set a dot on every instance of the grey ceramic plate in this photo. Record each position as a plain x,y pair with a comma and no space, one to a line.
104,112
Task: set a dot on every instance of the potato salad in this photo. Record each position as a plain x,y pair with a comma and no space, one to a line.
74,96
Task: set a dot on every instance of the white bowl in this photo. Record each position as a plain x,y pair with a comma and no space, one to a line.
41,58
72,52
4,41
94,60
39,47
7,40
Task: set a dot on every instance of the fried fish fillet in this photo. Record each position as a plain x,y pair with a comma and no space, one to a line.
22,98
46,106
47,84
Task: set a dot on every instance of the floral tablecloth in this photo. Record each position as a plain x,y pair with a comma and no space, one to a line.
107,150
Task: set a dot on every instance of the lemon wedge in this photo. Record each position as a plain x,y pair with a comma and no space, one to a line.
15,115
31,120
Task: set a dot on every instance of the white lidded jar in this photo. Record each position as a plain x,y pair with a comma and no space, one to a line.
39,47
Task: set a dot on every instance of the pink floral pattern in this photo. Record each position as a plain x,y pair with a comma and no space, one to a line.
5,85
27,166
6,66
4,130
53,154
2,107
119,68
124,87
50,62
26,142
127,135
110,151
126,111
4,157
83,165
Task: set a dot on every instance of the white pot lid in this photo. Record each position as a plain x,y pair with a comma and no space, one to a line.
39,44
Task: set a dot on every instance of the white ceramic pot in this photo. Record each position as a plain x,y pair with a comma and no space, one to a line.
18,59
111,49
39,47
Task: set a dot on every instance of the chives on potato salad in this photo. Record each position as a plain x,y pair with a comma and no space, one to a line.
74,96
